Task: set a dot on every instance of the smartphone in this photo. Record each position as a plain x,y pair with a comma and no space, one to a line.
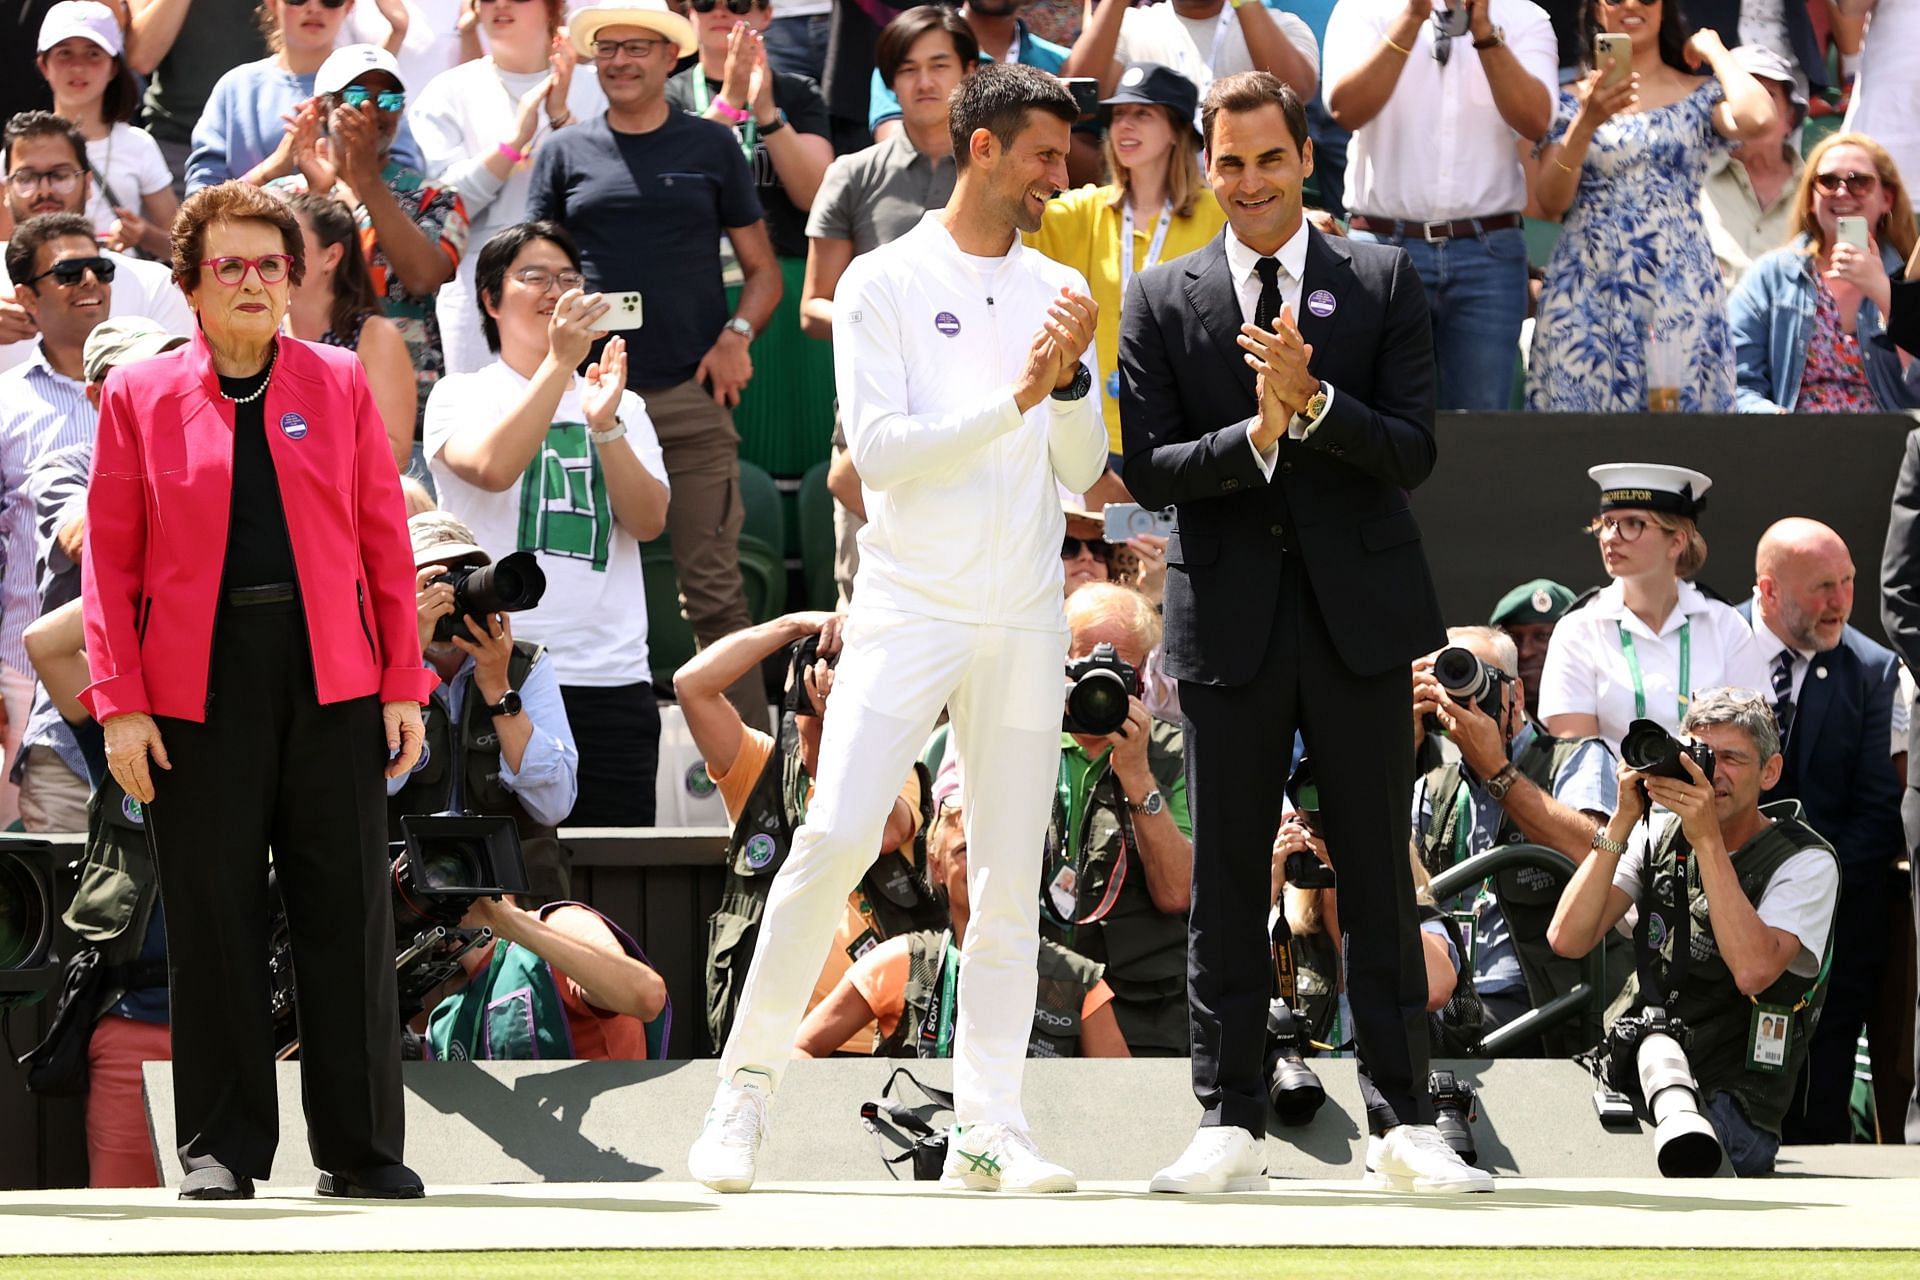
1086,94
623,312
1851,231
1129,520
1613,54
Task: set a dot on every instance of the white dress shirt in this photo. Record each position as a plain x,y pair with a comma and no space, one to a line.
1439,149
1770,646
1243,265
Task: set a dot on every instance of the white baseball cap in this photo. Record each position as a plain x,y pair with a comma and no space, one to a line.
349,62
86,19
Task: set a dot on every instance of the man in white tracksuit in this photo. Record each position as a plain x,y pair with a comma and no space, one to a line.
963,365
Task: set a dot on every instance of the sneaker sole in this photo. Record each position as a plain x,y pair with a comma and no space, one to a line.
727,1186
1377,1181
1183,1187
969,1182
1052,1185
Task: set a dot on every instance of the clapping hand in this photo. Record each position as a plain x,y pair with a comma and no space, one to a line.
606,383
1279,359
1056,348
357,146
743,54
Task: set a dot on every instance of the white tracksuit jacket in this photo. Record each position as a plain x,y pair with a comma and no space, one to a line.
964,519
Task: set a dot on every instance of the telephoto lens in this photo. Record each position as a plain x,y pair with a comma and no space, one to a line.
1097,700
1296,1093
1684,1143
512,584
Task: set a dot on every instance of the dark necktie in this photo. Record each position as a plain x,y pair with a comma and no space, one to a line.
1783,690
1268,307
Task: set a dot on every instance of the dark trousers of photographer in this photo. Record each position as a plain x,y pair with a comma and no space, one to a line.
272,767
1361,742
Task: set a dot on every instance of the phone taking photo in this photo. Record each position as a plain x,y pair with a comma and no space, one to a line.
1853,231
623,312
1613,55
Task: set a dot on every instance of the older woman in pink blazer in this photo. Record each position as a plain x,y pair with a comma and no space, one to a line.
256,669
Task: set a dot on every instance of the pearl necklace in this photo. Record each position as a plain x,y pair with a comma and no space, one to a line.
260,390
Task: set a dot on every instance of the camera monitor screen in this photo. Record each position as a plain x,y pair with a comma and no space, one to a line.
467,854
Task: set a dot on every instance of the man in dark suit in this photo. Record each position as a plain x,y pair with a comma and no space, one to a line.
1832,693
1297,596
1900,616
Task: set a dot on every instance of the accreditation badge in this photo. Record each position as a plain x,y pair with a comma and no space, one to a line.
1065,892
1769,1034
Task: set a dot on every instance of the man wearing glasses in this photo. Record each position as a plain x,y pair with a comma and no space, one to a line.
65,284
1437,92
46,172
648,191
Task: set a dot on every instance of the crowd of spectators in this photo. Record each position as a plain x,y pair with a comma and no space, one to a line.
479,183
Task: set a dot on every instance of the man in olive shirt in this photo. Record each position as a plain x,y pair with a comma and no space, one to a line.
185,46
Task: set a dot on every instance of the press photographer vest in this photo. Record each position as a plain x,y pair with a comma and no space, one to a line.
1527,895
476,761
513,1011
925,1029
1709,1001
894,897
1452,1033
1115,922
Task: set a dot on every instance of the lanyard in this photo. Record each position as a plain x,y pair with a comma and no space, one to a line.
949,998
1154,247
1633,668
749,130
1203,74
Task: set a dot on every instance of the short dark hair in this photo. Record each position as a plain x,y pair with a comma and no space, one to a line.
231,201
897,38
43,124
34,232
1250,91
998,98
490,271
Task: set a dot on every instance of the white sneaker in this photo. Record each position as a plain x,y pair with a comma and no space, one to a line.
1220,1158
997,1157
1416,1158
722,1156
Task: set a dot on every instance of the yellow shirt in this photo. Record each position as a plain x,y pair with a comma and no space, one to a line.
1083,232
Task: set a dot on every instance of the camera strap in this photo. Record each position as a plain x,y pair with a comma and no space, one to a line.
1633,668
1064,858
1653,930
942,1003
1280,941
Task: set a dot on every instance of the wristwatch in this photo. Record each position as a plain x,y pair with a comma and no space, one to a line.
1309,415
1502,782
1078,388
509,704
1604,845
612,433
1151,803
1495,38
772,126
742,327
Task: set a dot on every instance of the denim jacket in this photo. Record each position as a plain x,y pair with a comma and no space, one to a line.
1772,316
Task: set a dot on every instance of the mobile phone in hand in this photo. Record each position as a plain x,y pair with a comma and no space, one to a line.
623,312
1853,231
1613,54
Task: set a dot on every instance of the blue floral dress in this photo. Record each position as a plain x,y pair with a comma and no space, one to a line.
1634,261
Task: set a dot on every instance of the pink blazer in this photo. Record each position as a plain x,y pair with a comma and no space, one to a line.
157,516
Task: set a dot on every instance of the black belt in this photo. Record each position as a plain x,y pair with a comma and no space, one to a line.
270,593
1458,229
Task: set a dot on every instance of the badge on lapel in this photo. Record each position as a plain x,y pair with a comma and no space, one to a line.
1321,303
293,426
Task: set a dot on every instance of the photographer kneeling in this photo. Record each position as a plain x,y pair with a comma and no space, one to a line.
1761,891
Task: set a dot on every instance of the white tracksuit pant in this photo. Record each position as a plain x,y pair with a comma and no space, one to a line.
1003,690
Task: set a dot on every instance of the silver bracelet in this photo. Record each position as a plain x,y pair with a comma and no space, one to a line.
607,437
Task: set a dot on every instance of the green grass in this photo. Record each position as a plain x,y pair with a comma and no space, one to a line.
994,1264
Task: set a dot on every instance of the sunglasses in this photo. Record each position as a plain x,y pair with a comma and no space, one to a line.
733,6
1070,548
272,268
1855,184
1447,24
68,271
388,100
301,4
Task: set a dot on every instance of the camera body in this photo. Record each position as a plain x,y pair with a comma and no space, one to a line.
1466,679
511,584
1624,1038
1647,1058
1455,1106
1100,685
1653,751
1296,1093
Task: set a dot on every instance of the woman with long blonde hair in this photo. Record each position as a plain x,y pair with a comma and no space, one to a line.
1808,319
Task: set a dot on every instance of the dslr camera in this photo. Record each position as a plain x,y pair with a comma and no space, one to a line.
1655,752
1466,679
1100,685
1292,1087
1456,1106
511,584
1646,1057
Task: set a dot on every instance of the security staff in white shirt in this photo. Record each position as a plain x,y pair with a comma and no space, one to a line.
1437,93
1640,647
963,363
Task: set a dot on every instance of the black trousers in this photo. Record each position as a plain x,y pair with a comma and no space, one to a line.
1862,950
272,767
1359,734
617,730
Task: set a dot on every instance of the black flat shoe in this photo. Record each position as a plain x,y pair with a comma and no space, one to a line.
215,1182
390,1182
